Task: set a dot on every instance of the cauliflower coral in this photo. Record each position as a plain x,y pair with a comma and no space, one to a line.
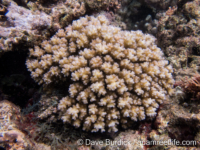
117,76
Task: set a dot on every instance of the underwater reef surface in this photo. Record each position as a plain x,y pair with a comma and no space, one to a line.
33,38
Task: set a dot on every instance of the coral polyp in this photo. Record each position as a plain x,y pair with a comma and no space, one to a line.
116,75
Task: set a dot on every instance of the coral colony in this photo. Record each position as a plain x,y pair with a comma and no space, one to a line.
117,76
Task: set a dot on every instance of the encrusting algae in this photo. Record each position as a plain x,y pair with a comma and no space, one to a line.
117,75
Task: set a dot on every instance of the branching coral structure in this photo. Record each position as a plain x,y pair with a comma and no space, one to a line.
117,76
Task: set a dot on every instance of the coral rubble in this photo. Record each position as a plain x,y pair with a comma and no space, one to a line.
191,86
103,4
25,19
63,14
178,34
12,135
23,26
115,74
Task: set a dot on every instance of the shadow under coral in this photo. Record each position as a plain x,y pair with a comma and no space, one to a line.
16,85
